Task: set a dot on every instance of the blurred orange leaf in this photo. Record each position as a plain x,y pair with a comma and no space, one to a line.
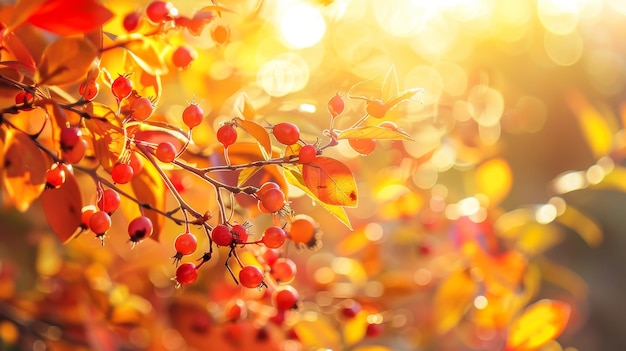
24,170
318,333
374,132
354,329
582,224
494,178
108,136
259,133
62,207
294,177
452,299
66,61
330,181
540,323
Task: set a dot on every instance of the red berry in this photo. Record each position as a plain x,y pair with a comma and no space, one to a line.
221,235
227,135
86,213
193,115
88,90
336,105
374,329
183,56
286,133
350,309
140,228
186,243
364,146
270,256
376,108
109,201
121,87
159,11
25,98
303,230
100,222
70,137
389,125
122,173
236,310
186,273
132,21
284,270
141,108
220,34
265,187
274,237
285,298
240,233
273,200
136,163
166,152
307,153
76,153
251,276
55,177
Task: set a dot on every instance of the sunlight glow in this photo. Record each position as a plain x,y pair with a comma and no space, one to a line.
302,26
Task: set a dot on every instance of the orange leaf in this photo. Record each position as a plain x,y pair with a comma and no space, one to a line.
24,170
259,133
70,17
144,52
452,299
108,136
62,207
66,61
540,323
373,132
330,181
294,177
245,107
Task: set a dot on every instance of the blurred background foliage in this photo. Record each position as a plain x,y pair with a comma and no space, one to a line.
512,187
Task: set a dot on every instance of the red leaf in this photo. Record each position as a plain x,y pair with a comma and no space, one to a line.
330,181
62,207
70,17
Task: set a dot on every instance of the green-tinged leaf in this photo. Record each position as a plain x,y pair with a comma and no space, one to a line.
70,17
402,96
62,207
149,188
540,323
452,299
373,132
586,227
144,52
390,84
108,135
596,128
294,177
331,181
66,61
24,170
259,133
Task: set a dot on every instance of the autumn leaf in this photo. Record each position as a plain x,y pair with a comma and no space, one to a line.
452,298
259,133
63,17
294,177
540,323
389,88
144,52
24,170
595,127
66,61
245,108
330,181
62,207
108,136
582,224
494,179
375,132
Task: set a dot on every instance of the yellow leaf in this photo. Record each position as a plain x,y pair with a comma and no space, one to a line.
540,323
493,178
389,88
586,227
354,329
107,133
294,177
316,333
66,61
452,299
595,128
330,181
144,52
244,106
259,133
